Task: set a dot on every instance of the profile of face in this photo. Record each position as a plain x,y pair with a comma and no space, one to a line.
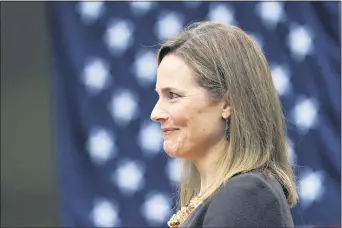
190,119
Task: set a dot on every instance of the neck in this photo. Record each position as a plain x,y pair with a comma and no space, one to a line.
207,162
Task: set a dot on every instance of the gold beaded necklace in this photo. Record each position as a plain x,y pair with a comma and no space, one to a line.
178,218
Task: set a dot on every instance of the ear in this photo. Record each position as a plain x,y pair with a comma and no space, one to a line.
226,107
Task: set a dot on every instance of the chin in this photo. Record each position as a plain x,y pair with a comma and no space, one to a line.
171,153
175,150
177,154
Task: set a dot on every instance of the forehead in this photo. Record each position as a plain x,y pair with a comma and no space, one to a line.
174,72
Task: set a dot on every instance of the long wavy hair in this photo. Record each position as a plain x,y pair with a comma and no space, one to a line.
230,65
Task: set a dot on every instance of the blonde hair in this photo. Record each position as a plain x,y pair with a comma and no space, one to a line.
228,63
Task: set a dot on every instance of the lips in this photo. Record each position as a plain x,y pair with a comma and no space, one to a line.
167,131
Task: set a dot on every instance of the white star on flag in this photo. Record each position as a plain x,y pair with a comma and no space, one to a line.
123,107
129,177
168,25
271,13
221,13
305,114
101,146
310,187
156,208
300,42
96,75
90,11
119,36
105,214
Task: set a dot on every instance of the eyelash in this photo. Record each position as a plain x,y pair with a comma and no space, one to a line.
170,93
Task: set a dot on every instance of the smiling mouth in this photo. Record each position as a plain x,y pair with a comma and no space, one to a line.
168,132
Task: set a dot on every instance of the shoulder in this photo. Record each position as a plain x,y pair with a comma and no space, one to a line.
252,184
248,199
248,188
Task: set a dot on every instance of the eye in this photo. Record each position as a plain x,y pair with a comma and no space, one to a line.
173,95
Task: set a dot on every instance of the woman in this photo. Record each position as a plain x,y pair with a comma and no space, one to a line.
221,114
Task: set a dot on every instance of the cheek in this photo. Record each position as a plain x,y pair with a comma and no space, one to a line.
180,116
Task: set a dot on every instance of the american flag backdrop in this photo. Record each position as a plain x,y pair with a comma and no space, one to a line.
111,166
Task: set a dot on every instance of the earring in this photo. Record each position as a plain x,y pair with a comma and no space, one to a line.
228,129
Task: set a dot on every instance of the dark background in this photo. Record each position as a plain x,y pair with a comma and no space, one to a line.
28,169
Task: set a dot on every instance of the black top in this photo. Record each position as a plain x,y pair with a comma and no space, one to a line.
246,200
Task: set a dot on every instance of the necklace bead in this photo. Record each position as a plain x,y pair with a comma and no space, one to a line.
178,218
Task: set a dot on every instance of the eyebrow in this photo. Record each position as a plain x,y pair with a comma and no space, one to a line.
166,89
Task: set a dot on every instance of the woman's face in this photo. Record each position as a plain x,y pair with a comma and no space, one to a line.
191,121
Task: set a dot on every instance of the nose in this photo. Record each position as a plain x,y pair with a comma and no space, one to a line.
158,114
